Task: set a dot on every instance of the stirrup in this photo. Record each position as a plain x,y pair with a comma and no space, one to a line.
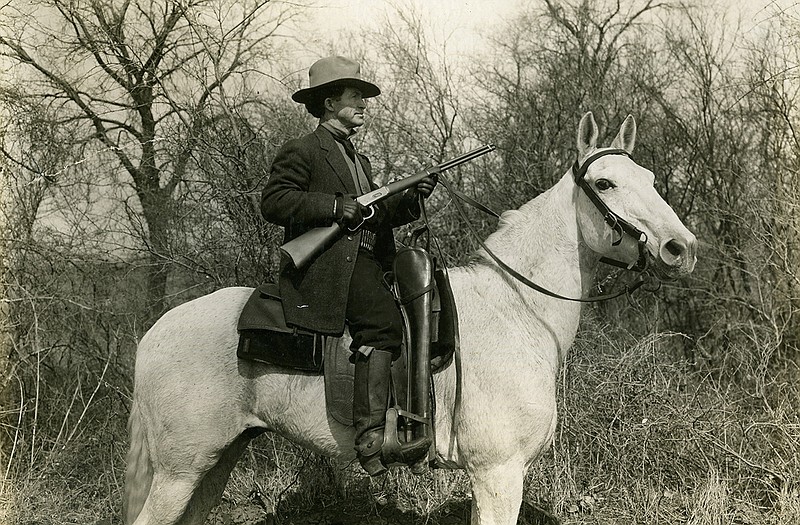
410,453
384,448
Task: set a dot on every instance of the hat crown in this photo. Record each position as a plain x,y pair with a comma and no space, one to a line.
333,68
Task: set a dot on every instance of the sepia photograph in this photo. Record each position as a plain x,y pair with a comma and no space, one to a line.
399,262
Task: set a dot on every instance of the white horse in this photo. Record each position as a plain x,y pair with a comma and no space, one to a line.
195,406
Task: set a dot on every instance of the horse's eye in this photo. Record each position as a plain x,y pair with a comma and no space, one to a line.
603,184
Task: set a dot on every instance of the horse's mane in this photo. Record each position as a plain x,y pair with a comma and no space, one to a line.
513,223
515,227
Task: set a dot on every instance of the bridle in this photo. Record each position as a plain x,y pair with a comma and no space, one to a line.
617,224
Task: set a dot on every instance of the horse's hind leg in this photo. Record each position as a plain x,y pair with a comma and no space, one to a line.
188,497
209,492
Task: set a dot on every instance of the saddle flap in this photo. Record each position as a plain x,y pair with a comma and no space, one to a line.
263,311
339,380
265,338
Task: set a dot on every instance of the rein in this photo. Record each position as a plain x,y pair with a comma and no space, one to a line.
618,224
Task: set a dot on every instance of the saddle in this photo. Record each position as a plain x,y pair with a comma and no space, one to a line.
264,337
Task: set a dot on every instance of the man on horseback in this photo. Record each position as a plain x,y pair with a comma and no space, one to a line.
313,182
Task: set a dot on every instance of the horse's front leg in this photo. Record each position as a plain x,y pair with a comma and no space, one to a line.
496,493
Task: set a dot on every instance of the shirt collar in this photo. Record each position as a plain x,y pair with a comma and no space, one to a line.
338,130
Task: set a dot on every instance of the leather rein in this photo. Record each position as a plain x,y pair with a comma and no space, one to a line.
619,225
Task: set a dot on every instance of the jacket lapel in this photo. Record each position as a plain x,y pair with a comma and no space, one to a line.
335,159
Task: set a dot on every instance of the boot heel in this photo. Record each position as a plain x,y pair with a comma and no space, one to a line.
373,465
370,453
420,467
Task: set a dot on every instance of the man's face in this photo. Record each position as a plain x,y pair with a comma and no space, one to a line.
349,108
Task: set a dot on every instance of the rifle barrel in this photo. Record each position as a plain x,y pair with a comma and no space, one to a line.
412,180
466,157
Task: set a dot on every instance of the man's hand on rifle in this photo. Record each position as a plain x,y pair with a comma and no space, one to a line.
353,213
425,186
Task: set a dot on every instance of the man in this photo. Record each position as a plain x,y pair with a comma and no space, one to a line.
313,182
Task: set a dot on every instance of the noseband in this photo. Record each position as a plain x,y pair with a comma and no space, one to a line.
619,225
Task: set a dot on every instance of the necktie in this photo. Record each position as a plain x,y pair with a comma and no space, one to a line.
349,148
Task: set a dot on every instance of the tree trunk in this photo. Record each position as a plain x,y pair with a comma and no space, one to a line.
157,207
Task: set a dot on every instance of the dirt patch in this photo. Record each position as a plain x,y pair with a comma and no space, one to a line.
358,512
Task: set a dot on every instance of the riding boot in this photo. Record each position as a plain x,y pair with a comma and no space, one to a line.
370,401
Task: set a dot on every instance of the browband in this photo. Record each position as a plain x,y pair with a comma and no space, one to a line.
579,171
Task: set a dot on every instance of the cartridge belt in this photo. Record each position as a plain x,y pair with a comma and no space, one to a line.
367,241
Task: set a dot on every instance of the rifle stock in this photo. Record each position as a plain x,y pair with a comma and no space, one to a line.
304,248
301,250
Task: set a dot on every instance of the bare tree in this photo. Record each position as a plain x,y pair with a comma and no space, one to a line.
415,120
111,107
773,101
419,117
28,131
136,78
225,240
553,62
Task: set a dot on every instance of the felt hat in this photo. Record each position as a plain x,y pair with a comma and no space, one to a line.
333,71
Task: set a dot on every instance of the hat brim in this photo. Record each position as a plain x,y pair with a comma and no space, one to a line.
367,89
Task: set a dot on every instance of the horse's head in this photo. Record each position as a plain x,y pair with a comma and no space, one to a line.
618,206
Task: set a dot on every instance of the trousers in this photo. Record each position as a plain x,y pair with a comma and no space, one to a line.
372,316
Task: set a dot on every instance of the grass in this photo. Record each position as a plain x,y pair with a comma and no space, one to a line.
645,436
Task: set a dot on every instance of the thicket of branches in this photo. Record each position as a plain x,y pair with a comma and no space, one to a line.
136,139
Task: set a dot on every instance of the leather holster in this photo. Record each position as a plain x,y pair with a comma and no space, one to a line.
410,428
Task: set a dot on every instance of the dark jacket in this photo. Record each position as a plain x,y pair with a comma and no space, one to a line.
306,175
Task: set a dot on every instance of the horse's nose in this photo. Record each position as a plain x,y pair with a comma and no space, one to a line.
675,252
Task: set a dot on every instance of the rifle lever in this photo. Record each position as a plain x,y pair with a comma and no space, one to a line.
364,219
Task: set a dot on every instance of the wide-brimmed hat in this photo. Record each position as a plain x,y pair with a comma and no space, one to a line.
333,71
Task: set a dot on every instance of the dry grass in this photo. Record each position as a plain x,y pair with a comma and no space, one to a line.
645,437
650,437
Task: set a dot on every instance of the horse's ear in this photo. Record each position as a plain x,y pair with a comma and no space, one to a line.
587,135
626,138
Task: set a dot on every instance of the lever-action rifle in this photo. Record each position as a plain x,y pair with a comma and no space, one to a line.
301,250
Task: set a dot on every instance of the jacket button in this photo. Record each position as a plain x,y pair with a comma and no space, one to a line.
349,237
349,259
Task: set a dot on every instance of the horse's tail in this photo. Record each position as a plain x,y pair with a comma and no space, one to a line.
139,472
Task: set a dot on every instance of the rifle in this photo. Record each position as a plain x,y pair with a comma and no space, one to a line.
302,249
